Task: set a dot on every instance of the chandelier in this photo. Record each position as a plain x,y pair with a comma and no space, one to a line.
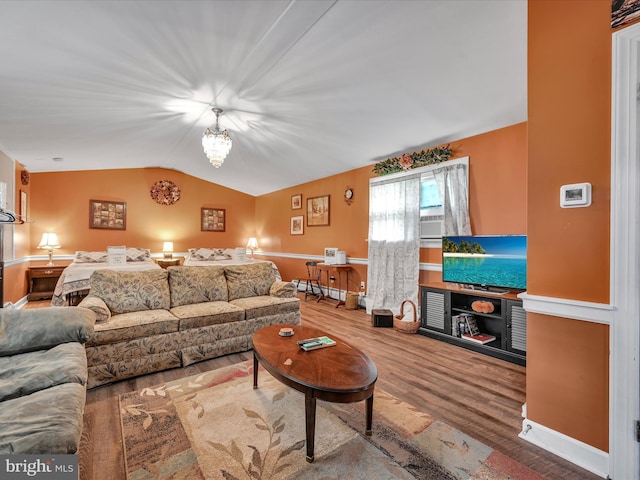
215,142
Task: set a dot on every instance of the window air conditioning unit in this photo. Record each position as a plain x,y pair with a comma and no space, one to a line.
431,228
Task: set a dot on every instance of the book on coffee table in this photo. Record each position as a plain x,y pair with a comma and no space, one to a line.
315,343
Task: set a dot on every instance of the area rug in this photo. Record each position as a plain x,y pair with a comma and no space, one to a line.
216,426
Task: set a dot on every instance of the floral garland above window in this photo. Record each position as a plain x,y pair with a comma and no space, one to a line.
413,160
165,192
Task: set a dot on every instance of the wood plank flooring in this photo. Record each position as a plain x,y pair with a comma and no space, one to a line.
479,395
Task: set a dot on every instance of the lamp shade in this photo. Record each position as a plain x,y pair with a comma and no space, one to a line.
167,247
49,241
252,244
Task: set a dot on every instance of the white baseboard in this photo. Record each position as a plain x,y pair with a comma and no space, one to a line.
579,453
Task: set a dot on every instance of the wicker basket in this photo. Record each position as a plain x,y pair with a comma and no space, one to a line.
406,327
351,301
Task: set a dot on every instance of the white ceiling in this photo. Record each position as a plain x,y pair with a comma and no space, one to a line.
309,88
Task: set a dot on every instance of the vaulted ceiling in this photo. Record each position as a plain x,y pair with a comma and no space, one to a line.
309,88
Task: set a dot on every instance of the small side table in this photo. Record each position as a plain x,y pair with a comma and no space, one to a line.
168,262
338,268
42,281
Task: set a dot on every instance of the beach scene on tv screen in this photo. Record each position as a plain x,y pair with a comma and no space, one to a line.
499,261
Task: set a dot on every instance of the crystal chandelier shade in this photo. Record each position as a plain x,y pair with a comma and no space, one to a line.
216,143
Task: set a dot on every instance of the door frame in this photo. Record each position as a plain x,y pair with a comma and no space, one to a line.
624,384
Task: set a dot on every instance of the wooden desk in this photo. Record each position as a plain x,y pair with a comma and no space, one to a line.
42,281
338,268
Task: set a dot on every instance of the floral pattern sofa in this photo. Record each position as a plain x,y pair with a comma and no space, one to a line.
43,376
153,320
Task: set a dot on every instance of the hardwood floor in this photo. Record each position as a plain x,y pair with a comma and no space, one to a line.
479,395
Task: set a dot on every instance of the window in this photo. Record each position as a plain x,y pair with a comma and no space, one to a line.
431,205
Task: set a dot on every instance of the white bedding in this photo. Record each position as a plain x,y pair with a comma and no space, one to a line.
75,277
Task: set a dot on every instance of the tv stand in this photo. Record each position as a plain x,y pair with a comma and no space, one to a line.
484,289
442,303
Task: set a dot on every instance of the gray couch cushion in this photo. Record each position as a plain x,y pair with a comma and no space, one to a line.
40,329
191,285
26,373
47,421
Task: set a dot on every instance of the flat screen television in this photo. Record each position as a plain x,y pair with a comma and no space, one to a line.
485,262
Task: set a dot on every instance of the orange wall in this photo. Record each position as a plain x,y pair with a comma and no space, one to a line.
568,254
497,187
61,203
497,205
15,276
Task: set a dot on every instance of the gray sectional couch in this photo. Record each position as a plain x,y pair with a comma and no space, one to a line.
43,376
153,320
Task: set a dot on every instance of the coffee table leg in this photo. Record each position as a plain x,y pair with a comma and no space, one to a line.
369,407
255,371
310,420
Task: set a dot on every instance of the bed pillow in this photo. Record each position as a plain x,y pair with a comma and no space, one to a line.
90,257
138,254
208,254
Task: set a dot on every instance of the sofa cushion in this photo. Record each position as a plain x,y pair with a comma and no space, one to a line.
26,373
249,280
189,285
126,292
47,421
97,306
127,326
209,313
40,329
262,306
282,289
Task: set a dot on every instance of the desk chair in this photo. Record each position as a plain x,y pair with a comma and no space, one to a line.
312,281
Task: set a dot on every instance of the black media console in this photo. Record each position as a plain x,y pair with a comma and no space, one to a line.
507,322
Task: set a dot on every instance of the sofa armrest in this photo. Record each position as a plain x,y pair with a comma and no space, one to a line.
97,306
282,289
24,331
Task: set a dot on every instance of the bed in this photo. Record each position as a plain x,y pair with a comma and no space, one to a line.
75,278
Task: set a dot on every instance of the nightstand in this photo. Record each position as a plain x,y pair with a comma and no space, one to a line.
168,262
42,281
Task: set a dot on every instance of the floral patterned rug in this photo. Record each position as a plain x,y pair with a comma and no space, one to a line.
216,426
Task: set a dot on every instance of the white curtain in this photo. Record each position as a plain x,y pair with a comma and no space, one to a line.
453,188
394,242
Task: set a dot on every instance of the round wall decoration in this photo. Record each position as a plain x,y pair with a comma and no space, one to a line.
165,192
348,195
24,177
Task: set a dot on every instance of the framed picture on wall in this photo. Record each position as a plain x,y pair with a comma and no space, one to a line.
213,219
296,201
318,211
107,215
297,225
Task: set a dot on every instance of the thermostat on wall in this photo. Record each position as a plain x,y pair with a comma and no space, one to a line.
575,195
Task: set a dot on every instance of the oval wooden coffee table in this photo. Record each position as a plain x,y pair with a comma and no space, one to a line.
340,374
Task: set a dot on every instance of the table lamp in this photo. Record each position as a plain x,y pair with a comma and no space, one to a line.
167,249
49,241
252,245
